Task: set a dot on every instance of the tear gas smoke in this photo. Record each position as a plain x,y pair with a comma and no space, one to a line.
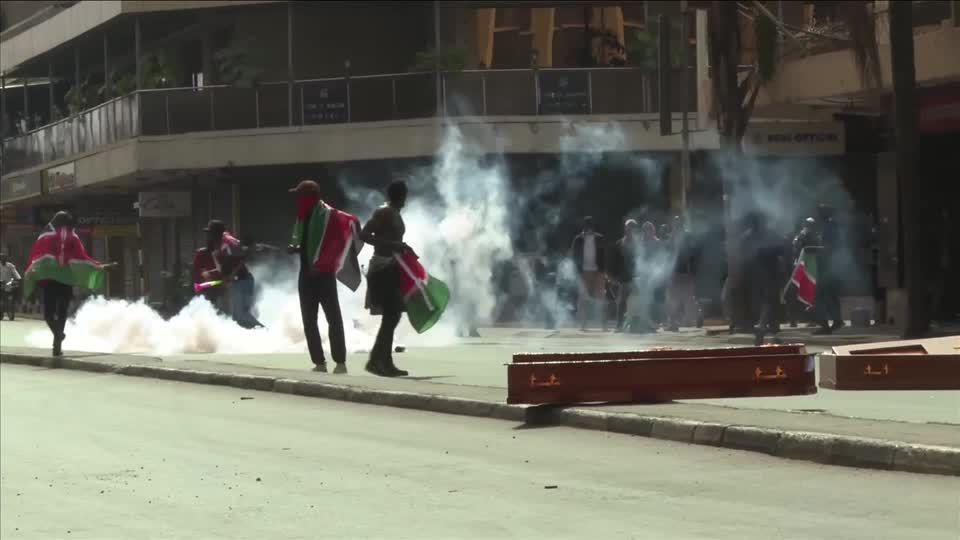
461,217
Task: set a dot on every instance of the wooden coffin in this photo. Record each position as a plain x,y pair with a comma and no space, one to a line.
660,352
922,364
661,375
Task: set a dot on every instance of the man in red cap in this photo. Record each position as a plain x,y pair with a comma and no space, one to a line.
327,241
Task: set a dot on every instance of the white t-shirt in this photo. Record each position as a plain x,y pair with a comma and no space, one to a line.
7,272
590,253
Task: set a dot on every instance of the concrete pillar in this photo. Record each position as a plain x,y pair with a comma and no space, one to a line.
137,53
107,93
608,19
486,18
542,21
50,87
3,108
26,101
290,63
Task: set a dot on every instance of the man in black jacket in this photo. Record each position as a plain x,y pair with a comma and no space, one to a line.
621,267
589,258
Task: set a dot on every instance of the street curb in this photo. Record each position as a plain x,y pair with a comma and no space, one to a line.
823,448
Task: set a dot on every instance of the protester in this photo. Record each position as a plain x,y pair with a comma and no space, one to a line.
588,258
765,258
621,268
827,301
9,280
385,232
327,241
58,263
806,237
223,260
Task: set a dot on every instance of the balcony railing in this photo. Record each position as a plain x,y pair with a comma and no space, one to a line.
520,92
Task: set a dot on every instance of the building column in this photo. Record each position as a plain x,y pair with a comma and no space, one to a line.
26,101
486,18
138,62
3,107
290,63
106,69
50,88
609,19
542,21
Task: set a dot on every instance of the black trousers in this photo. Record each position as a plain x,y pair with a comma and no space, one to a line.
768,293
385,287
320,290
56,303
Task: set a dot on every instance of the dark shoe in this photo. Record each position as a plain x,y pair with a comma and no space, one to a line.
340,368
837,325
474,333
375,368
394,371
320,367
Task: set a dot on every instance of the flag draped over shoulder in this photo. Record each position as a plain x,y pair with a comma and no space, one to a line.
804,277
332,240
425,297
58,255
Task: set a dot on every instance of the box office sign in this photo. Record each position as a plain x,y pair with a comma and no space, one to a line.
60,178
164,204
797,139
21,187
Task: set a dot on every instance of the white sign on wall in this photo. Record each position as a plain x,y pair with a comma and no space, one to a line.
164,204
795,139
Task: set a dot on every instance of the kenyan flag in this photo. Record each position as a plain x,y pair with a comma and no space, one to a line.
58,255
424,296
804,276
332,239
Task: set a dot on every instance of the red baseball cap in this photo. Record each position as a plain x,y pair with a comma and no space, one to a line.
306,186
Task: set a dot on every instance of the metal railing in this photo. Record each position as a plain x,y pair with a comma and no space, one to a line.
368,98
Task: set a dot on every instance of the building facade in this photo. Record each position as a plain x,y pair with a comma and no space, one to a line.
230,102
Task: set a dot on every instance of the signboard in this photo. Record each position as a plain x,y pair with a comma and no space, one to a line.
325,102
938,113
21,187
60,178
797,139
564,92
164,204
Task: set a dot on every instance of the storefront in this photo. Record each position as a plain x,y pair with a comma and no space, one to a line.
17,227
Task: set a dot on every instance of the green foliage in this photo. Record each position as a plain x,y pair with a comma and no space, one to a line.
767,46
454,59
239,63
79,97
643,45
120,84
160,69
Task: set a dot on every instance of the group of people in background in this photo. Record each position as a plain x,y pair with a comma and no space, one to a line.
648,276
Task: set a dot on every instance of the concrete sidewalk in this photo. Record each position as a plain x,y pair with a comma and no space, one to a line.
468,379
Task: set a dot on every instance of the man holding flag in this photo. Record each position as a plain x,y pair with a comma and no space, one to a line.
58,262
327,241
397,282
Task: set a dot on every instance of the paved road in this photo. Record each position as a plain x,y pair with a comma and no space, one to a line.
153,459
479,362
